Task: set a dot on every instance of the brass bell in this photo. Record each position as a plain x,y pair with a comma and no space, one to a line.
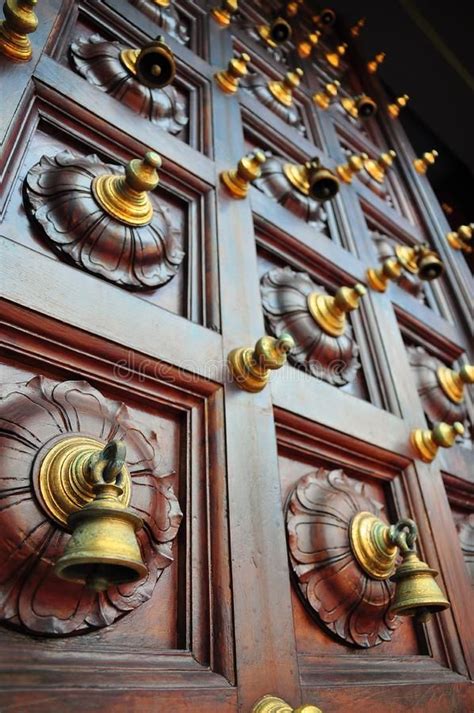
323,184
155,65
103,550
277,33
416,593
360,107
326,18
429,265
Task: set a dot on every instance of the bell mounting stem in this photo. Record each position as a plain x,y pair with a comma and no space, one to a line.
107,466
404,535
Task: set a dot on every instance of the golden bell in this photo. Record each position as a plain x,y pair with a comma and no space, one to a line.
429,265
326,18
323,184
416,593
361,107
155,66
277,33
103,550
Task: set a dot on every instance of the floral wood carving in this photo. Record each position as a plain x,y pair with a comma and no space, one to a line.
99,62
258,87
165,17
465,528
31,596
276,185
334,589
408,281
59,197
285,304
436,404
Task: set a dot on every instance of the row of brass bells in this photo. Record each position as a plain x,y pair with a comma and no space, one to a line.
153,65
103,550
20,21
426,442
460,238
228,79
359,107
312,179
250,368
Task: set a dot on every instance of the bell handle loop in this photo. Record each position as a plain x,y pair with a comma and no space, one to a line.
404,535
106,466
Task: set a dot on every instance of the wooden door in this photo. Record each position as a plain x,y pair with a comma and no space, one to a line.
224,619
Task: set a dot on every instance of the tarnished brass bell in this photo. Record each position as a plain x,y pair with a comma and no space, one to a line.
360,107
20,21
153,65
278,32
416,593
103,550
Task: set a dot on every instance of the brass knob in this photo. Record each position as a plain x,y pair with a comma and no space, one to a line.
305,47
452,382
20,21
323,99
376,547
347,171
334,58
459,240
273,704
420,260
237,181
427,441
153,65
375,63
292,8
224,14
312,179
283,90
330,312
277,33
395,107
378,278
360,107
422,164
228,79
126,197
251,368
378,168
355,29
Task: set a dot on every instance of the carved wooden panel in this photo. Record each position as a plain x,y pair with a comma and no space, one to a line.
285,303
257,86
59,196
33,415
168,18
98,61
465,528
336,591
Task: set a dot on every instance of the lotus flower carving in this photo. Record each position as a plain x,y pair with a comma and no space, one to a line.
59,197
334,589
285,304
31,596
99,62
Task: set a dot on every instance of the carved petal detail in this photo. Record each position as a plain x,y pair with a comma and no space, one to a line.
99,62
58,193
275,184
407,281
257,86
333,587
284,298
31,596
165,17
436,405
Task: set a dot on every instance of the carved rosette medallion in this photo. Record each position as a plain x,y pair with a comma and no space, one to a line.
99,62
59,197
274,183
436,404
34,416
165,17
333,587
258,87
285,303
408,280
